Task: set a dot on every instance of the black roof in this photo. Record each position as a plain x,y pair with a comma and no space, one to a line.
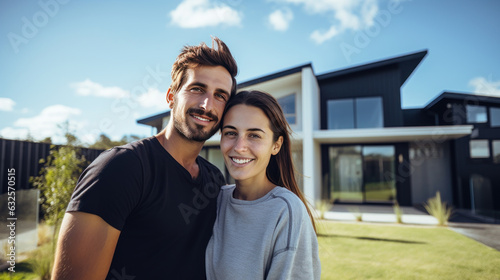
152,120
466,98
407,64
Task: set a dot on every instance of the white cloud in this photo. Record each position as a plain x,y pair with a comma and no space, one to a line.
45,124
153,98
14,133
89,88
6,104
346,15
203,13
319,37
482,86
280,19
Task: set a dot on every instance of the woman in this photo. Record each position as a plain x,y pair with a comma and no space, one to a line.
264,229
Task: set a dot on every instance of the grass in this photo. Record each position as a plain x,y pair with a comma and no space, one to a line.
37,266
23,272
369,251
387,251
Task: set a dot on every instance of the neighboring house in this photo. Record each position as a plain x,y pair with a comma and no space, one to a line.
354,143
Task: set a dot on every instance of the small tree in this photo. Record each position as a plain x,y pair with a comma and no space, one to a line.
57,180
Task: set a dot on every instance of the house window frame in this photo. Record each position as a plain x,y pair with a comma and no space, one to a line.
478,157
490,117
468,111
495,152
355,117
289,115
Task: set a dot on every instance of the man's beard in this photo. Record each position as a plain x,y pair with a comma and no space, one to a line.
196,134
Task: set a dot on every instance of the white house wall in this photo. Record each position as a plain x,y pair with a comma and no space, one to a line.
311,149
282,87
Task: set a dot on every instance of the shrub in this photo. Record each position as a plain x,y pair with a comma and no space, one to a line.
56,182
398,212
356,213
322,206
41,261
438,209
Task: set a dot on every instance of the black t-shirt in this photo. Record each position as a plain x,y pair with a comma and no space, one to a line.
164,215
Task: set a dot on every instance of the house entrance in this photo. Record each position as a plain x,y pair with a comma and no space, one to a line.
362,174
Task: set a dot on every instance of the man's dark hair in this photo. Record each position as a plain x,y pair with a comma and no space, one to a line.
202,55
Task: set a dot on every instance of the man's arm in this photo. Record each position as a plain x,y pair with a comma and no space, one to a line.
85,247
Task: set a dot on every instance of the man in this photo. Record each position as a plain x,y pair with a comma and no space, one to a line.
146,210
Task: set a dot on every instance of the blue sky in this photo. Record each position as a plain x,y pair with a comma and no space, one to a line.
101,65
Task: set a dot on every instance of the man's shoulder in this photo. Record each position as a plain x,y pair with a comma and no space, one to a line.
139,144
126,154
137,148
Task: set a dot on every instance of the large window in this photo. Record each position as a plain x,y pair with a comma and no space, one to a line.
476,114
496,151
340,113
355,113
479,149
495,117
287,103
362,174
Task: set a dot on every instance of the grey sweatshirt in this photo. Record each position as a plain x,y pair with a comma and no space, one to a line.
268,238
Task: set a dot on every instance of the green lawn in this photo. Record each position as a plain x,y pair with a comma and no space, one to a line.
390,251
372,251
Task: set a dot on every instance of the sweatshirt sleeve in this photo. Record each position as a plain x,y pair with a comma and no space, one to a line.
296,253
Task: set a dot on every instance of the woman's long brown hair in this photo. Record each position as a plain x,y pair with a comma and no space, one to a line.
280,170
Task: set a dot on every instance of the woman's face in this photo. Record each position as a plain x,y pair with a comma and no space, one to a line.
247,144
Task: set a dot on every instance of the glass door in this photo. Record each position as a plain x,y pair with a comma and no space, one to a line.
361,174
346,169
379,167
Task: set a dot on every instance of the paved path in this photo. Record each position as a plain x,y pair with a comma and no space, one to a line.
486,231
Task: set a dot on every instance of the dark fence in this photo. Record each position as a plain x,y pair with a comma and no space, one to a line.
22,158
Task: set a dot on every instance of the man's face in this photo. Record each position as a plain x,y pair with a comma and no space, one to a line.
198,106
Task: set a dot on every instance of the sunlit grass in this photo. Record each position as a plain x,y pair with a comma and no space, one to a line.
368,251
388,251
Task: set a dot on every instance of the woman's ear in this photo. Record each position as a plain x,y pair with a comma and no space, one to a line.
277,146
170,98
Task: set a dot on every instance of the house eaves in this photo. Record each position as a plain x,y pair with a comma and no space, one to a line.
274,76
154,120
465,98
406,64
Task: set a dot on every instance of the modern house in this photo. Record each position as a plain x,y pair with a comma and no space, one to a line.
353,143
